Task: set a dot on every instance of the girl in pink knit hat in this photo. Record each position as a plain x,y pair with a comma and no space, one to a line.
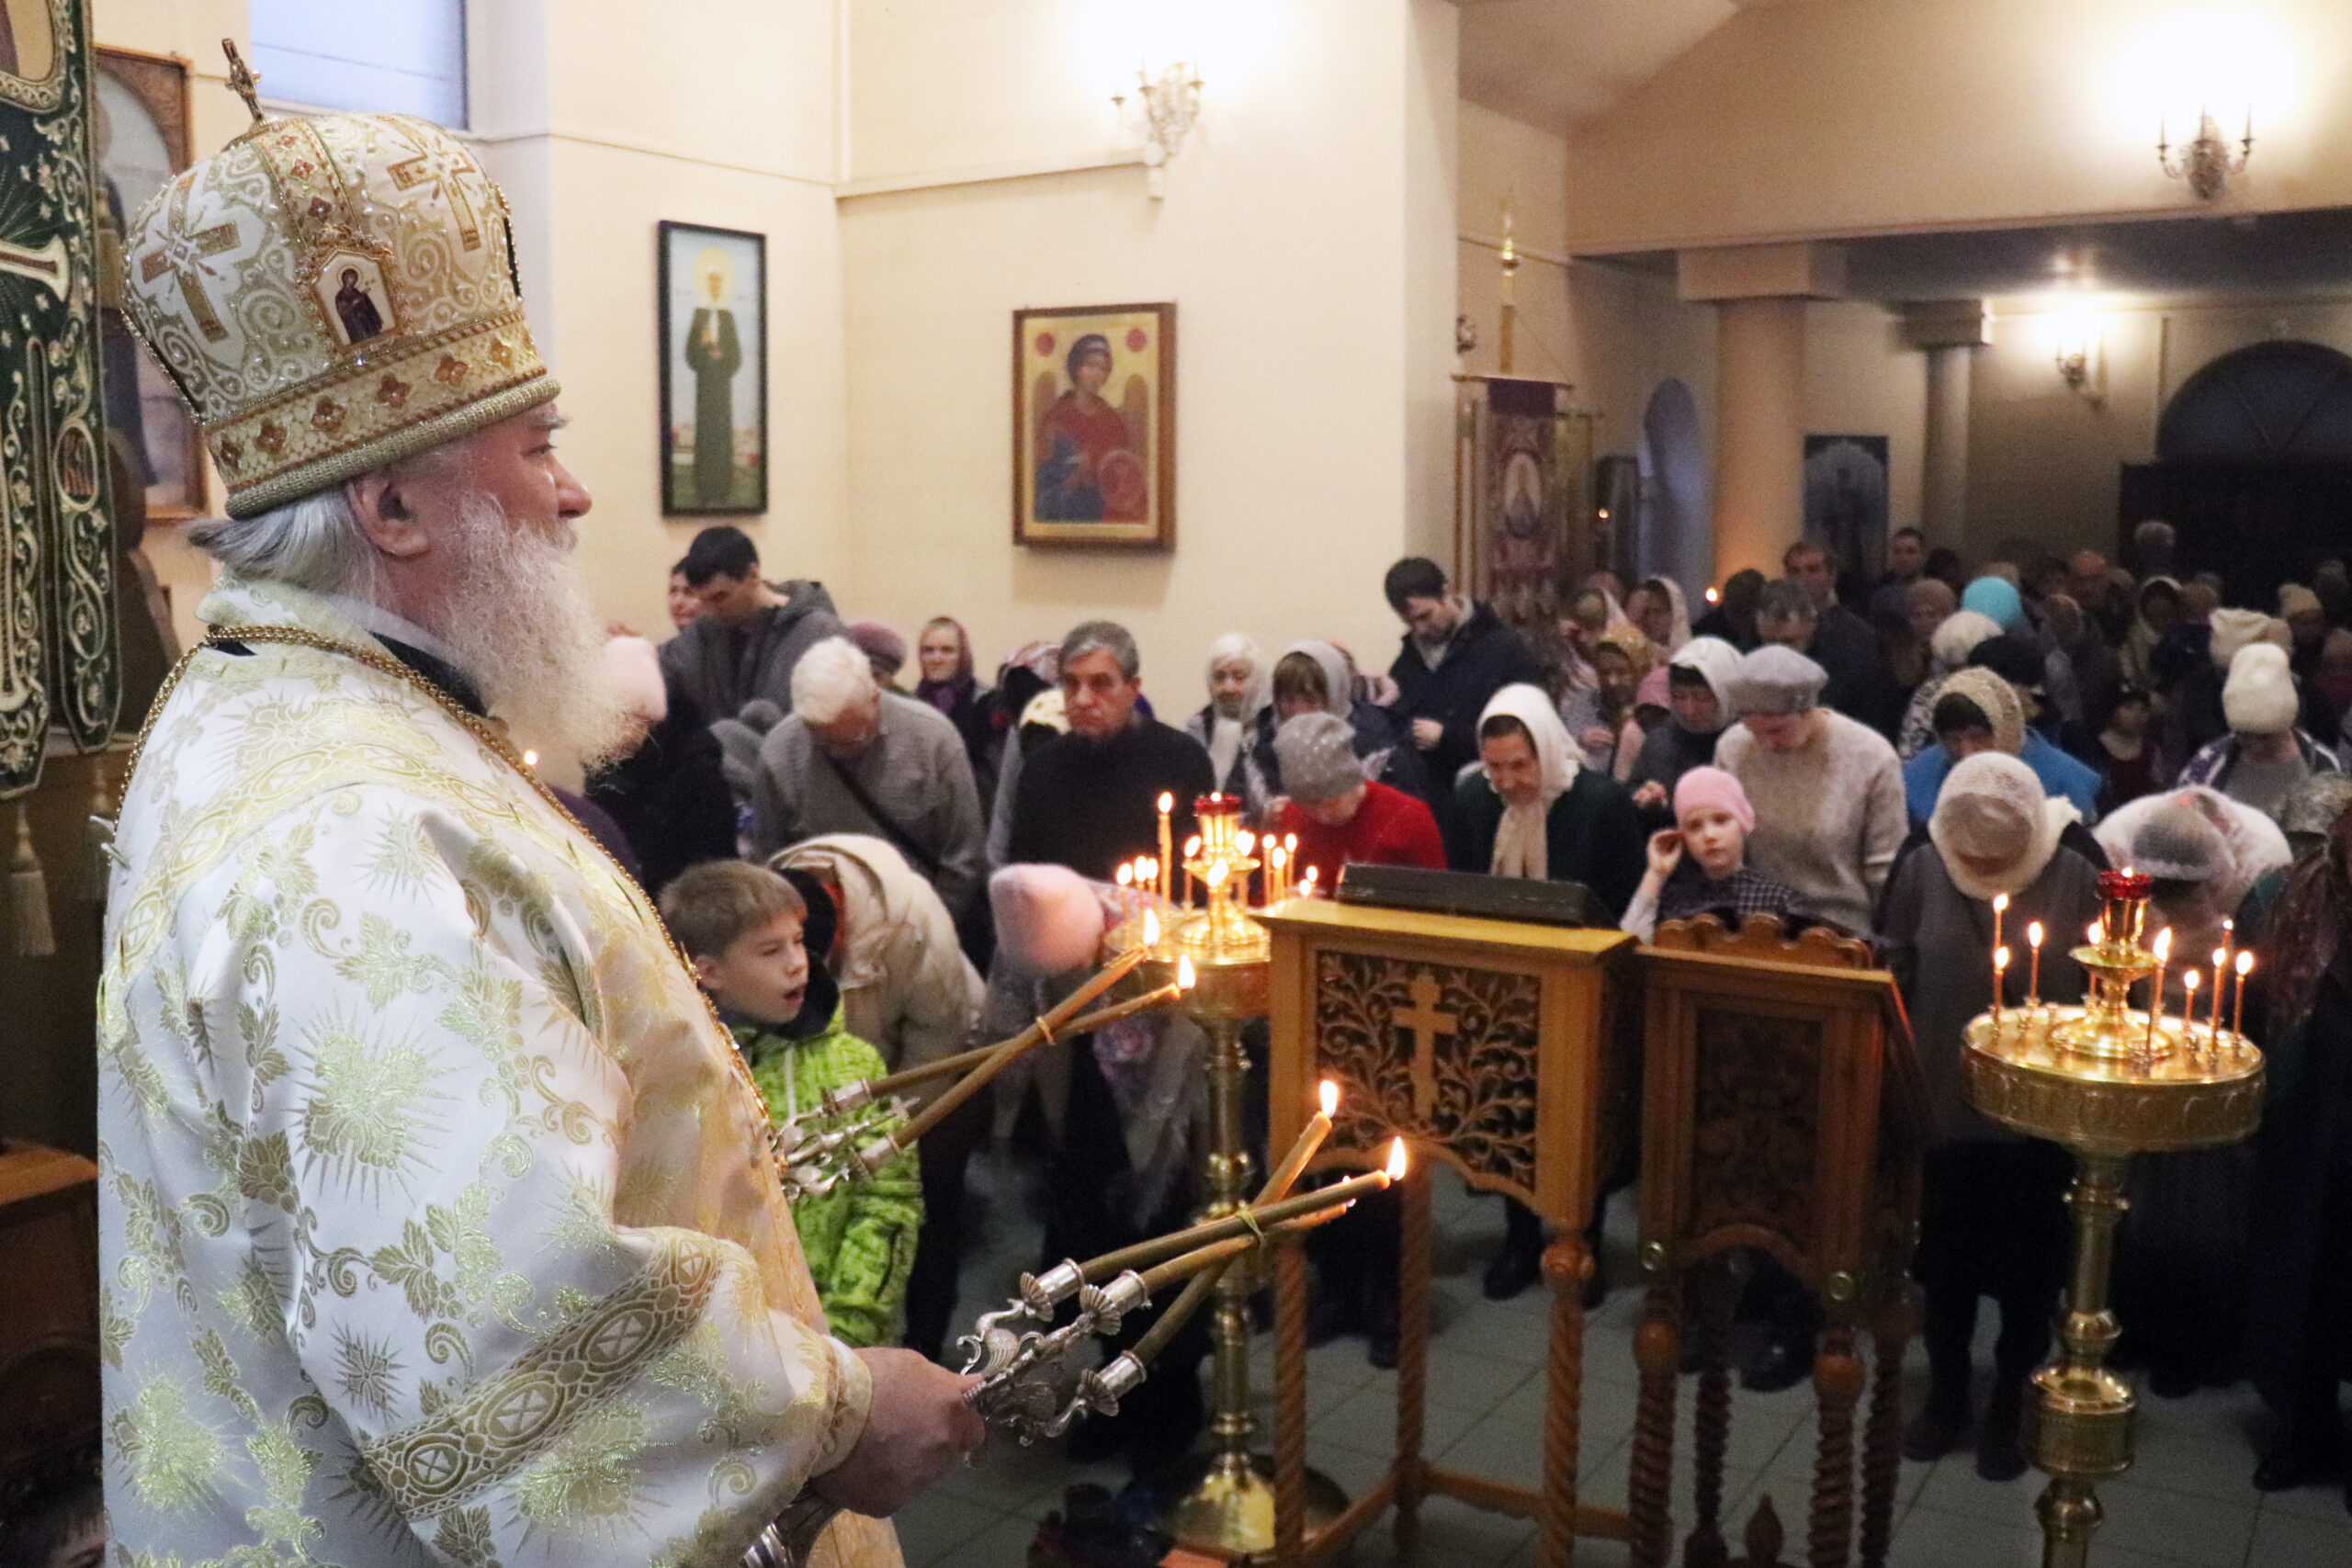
1699,866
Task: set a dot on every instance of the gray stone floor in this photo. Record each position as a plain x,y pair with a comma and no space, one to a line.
2185,1502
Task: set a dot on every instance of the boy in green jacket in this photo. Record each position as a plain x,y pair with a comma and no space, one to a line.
740,924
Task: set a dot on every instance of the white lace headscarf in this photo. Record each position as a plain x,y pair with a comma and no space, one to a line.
1226,737
1520,844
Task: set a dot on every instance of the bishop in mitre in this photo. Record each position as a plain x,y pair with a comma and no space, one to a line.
437,1222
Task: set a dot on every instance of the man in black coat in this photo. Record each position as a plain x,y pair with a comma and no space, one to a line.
1455,654
1089,800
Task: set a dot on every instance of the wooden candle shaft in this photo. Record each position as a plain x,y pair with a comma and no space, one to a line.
1266,1217
1011,1050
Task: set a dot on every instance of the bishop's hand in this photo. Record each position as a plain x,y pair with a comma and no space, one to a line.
919,1427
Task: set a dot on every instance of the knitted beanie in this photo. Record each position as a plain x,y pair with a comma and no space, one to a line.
2234,630
1776,680
1996,597
1712,786
1048,920
1957,635
885,648
2260,697
1316,754
2176,843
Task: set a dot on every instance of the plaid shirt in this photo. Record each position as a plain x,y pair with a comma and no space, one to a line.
1689,893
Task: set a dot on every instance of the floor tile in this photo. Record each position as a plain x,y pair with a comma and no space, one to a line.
2175,1525
940,1525
2282,1539
1368,1422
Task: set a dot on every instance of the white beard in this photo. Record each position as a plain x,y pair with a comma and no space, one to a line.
520,625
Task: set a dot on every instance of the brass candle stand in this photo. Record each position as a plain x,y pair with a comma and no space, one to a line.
1223,1502
2106,1080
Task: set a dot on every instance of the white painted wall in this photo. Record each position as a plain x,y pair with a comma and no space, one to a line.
1306,238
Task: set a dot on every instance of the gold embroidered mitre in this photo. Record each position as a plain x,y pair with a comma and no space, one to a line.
330,295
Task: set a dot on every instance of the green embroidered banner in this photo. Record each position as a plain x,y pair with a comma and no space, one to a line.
59,662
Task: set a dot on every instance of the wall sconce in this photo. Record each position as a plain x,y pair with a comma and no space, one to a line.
2081,356
2206,162
1171,105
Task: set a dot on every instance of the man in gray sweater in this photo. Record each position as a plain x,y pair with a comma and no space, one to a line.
852,758
1827,790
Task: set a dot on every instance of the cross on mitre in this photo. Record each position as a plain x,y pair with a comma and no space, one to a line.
183,254
435,168
1425,1024
243,79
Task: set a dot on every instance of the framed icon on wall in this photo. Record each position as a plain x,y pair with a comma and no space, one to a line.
139,123
714,371
1094,426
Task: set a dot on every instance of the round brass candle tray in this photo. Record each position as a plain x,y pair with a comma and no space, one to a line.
2106,1080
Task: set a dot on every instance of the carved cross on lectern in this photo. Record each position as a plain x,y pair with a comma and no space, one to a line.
1425,1024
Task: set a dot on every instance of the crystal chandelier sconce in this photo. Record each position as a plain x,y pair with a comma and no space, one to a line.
2206,162
1171,103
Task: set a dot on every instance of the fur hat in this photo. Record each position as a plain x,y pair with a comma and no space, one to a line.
2260,697
1317,756
2315,806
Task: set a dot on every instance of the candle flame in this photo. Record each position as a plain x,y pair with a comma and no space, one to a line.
1150,929
2163,944
2245,964
2227,926
1126,875
2001,903
1290,846
2128,872
2097,933
1396,1159
2189,981
1278,858
1247,843
1167,802
1329,1091
1191,846
1714,595
2220,958
2034,934
530,759
1185,978
2000,958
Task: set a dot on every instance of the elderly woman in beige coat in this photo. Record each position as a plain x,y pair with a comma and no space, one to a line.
907,989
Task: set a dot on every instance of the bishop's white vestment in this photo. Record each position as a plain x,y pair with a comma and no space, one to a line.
436,1221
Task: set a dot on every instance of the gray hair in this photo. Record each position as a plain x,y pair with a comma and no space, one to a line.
1107,636
829,678
314,544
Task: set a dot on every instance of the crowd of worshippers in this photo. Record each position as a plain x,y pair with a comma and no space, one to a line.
875,859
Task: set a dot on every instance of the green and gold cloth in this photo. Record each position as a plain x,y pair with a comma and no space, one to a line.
437,1224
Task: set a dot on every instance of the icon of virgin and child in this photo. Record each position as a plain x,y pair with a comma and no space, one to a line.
1089,459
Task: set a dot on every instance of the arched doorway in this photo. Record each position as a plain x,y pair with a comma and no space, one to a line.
2254,467
1676,536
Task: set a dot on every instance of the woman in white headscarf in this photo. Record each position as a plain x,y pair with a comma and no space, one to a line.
1241,685
1532,809
1657,605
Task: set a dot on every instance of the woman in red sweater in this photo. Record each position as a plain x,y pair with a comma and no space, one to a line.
1340,815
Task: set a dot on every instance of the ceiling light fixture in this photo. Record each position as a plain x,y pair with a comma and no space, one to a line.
2206,162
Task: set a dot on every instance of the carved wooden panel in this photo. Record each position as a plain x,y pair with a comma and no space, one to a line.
1439,1052
1755,1113
1759,937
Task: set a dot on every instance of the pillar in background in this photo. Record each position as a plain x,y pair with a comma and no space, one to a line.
1760,293
1950,330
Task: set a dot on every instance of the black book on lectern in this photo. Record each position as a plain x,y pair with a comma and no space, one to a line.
1468,893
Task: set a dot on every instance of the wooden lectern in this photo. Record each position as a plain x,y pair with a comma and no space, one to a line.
1492,1047
1782,1110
